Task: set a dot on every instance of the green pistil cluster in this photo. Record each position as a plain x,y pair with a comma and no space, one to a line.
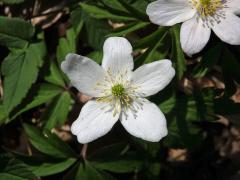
118,90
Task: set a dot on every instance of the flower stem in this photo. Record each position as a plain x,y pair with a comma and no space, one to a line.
84,151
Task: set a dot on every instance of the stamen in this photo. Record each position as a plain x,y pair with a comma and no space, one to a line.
209,11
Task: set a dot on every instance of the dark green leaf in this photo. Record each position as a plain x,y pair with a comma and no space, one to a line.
100,13
48,144
156,51
87,172
66,45
128,29
177,53
96,56
13,169
55,75
15,32
208,61
97,31
20,69
134,11
57,111
45,166
44,93
13,1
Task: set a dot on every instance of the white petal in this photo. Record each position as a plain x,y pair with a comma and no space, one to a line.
228,30
194,36
148,124
117,55
153,77
169,12
95,120
234,6
84,74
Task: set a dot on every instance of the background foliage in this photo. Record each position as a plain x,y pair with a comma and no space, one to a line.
37,104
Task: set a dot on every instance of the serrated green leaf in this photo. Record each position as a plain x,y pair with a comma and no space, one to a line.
20,69
43,94
48,144
13,169
14,32
57,111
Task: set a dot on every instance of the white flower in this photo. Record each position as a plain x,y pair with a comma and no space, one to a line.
118,92
199,17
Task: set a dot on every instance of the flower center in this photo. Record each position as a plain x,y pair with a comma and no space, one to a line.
118,90
209,10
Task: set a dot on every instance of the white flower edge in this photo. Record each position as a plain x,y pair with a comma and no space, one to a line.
143,119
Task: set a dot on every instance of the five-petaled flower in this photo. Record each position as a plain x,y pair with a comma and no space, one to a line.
199,17
118,92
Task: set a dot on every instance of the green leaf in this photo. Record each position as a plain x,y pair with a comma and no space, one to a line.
134,11
13,1
128,29
96,56
3,114
48,144
119,165
57,111
151,39
101,13
55,75
115,7
156,51
183,113
114,158
44,165
20,69
46,168
13,169
177,53
66,45
14,32
44,93
86,172
96,31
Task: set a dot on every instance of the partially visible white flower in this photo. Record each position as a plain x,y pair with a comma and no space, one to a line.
118,92
199,17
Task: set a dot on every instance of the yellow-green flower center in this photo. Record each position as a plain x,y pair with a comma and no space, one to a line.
208,8
118,90
205,2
